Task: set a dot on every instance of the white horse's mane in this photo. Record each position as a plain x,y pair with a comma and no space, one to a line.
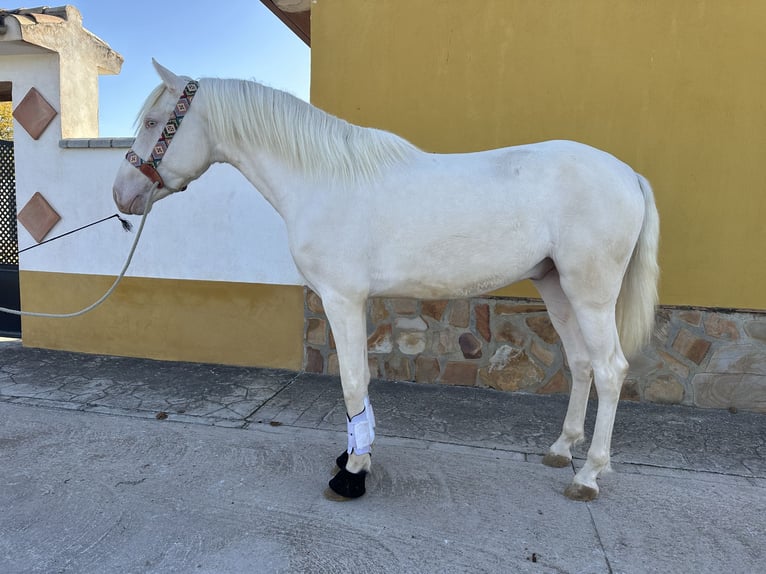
308,138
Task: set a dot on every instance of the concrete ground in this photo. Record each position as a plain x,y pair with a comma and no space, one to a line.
115,465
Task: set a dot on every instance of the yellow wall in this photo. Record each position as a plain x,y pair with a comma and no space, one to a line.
674,88
199,321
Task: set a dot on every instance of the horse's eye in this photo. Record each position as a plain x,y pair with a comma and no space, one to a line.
149,124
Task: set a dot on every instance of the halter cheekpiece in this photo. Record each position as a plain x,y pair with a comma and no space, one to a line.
149,167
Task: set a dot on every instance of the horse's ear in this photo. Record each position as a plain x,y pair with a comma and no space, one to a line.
168,78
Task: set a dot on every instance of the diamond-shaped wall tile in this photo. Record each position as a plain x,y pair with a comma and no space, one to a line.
34,113
38,217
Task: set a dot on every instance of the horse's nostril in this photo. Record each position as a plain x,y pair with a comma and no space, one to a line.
136,206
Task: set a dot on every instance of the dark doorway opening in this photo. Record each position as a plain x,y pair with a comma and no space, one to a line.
10,325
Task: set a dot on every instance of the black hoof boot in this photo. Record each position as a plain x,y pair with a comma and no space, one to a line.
342,460
347,484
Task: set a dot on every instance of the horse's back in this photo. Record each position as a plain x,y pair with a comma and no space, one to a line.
553,186
442,225
463,224
561,167
584,195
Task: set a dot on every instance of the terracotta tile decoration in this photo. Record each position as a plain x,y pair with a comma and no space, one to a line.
38,217
34,113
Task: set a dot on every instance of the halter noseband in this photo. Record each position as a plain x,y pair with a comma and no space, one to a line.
149,167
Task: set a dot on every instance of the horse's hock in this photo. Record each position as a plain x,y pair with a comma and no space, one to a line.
698,357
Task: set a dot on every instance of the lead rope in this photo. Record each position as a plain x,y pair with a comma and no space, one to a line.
126,225
111,289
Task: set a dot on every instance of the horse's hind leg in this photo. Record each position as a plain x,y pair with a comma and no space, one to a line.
599,329
348,323
564,321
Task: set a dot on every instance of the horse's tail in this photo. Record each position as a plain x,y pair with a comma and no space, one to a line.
638,295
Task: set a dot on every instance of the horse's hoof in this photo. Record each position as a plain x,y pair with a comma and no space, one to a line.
332,496
348,484
580,492
342,460
556,460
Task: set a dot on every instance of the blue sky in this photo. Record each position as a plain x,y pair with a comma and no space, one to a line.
234,39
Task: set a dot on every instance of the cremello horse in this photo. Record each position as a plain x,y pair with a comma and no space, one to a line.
369,214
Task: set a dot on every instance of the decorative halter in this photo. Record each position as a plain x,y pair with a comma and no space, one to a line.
149,167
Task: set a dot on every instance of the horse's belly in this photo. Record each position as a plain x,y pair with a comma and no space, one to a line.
455,276
460,251
428,289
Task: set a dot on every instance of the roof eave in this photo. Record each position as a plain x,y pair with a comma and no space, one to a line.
295,14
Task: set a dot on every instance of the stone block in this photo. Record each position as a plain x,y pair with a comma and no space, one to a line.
756,329
460,313
690,346
398,369
503,356
720,327
314,361
542,327
316,331
630,390
333,366
100,143
411,323
426,369
665,390
374,365
542,354
434,309
74,143
481,316
674,364
558,383
125,142
506,331
444,341
643,365
746,392
381,340
404,306
661,327
735,359
470,346
314,302
691,316
518,308
457,373
376,308
511,370
411,342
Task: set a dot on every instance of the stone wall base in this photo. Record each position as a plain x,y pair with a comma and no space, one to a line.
700,357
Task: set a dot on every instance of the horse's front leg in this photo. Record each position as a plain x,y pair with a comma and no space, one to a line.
348,323
563,318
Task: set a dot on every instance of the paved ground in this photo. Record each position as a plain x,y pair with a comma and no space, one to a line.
233,480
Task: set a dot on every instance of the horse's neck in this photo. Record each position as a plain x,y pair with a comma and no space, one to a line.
271,175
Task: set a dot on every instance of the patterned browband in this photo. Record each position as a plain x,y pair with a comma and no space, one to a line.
149,167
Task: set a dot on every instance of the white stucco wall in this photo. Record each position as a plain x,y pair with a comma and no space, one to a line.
220,229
